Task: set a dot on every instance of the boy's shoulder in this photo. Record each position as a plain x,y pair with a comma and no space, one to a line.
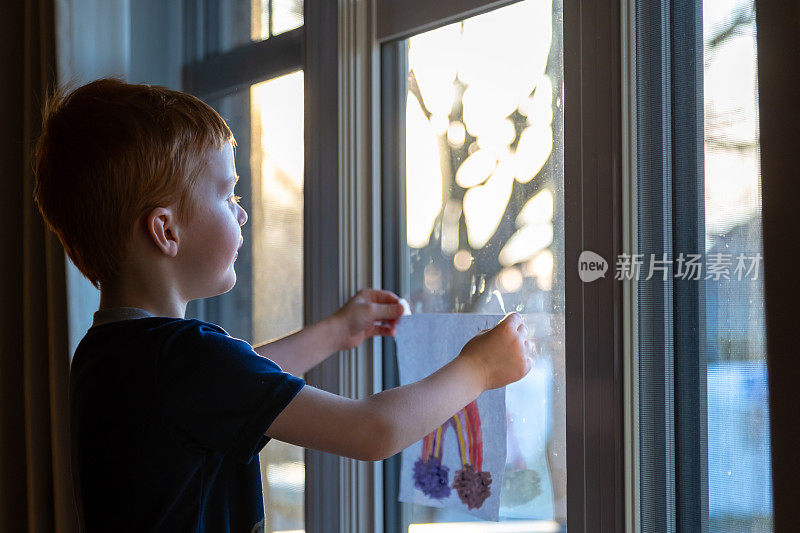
171,349
137,337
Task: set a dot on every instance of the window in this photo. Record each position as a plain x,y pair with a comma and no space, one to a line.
666,385
253,79
702,379
479,203
481,147
661,402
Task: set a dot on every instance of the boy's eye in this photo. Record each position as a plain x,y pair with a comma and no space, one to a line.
235,199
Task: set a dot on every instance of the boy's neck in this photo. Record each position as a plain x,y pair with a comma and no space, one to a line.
157,305
116,314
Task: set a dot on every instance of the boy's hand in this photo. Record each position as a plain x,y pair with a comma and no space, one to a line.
370,312
502,354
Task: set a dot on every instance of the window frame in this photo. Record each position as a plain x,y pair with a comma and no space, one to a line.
594,206
670,330
394,63
212,75
776,26
592,192
321,239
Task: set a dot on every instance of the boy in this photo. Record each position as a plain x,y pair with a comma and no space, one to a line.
168,414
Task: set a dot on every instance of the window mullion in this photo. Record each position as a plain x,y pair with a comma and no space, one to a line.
358,239
393,97
629,246
225,73
655,297
398,19
321,234
688,223
593,221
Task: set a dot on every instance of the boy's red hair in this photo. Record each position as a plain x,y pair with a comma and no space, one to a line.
109,153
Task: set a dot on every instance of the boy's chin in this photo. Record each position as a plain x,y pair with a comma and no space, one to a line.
228,283
232,281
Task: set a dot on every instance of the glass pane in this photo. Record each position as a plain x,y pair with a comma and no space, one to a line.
259,20
241,22
284,15
739,474
276,215
484,225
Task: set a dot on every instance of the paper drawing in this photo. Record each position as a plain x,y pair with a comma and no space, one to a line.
471,482
459,465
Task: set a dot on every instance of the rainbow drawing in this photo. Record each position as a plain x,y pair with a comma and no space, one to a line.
472,484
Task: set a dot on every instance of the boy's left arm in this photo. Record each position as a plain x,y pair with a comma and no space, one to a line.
370,312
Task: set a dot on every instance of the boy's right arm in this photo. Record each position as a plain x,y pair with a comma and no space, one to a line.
388,422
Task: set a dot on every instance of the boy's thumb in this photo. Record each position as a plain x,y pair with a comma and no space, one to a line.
528,363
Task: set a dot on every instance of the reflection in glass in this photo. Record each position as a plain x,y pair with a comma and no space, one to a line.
484,222
277,303
739,478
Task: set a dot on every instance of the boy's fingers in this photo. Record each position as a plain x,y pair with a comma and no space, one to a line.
379,296
514,318
386,331
388,311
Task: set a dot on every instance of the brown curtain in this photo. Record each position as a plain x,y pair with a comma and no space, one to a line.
35,482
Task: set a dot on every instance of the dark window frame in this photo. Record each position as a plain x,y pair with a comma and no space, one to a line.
593,185
669,180
776,26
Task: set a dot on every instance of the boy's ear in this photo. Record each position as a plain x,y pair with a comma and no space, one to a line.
163,230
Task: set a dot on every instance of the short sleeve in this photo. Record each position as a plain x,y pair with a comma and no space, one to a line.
218,393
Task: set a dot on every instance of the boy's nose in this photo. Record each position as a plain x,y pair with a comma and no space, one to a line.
242,216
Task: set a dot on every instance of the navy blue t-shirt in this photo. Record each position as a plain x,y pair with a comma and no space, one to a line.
168,416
